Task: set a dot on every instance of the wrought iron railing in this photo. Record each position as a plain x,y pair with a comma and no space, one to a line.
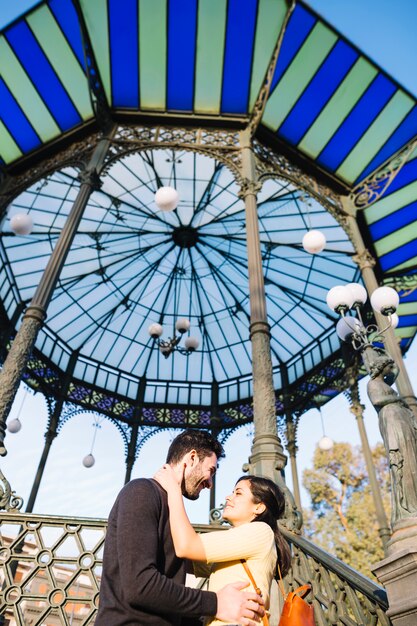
340,595
50,569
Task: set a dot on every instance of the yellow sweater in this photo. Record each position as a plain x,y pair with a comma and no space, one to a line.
254,542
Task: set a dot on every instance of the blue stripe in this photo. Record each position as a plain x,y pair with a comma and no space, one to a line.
394,221
412,297
406,131
299,26
357,123
43,76
66,16
399,255
406,175
318,92
240,30
407,320
124,57
405,343
16,121
182,24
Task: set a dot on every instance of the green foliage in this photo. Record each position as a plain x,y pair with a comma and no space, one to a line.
342,518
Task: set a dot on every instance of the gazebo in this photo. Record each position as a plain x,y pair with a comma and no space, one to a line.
273,129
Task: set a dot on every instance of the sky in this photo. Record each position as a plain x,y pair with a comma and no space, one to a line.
385,31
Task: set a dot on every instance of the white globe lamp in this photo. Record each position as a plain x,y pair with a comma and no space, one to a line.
339,298
89,460
191,343
155,330
21,224
167,198
314,241
326,443
385,300
359,293
394,320
14,425
182,325
347,326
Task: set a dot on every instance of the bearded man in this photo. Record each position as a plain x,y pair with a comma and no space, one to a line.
143,579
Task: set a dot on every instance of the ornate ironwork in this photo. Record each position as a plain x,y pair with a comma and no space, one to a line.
405,285
341,595
263,95
9,501
50,567
76,155
374,187
272,165
223,145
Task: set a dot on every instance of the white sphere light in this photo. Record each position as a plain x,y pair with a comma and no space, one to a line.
346,326
14,425
89,460
339,298
155,330
359,292
326,443
191,343
182,325
21,224
385,300
167,198
394,320
314,241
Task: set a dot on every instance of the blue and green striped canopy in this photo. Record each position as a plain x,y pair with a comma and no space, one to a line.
195,62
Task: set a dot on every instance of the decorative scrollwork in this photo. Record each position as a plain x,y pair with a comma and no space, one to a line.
76,155
219,144
364,259
272,165
406,284
9,501
374,187
263,95
216,516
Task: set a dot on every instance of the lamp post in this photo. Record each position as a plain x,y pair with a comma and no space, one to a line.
398,426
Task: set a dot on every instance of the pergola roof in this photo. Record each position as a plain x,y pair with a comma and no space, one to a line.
68,64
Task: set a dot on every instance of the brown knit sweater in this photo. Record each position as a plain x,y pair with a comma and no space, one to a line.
143,579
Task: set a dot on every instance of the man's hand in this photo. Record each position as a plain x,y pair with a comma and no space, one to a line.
244,608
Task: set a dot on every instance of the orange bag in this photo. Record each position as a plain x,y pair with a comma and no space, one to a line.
296,611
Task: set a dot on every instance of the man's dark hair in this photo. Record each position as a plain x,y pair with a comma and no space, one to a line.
199,440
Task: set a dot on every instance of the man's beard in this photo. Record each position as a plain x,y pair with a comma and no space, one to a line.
191,486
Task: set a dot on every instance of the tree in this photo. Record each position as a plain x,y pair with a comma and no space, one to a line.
342,518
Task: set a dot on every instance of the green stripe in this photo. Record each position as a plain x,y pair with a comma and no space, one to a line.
405,331
26,94
407,308
152,53
390,204
62,59
339,106
96,19
9,149
271,16
307,61
396,239
377,134
210,50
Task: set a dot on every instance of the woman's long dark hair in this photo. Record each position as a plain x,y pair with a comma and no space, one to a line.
265,491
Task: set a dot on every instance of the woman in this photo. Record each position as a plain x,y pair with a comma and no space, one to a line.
253,510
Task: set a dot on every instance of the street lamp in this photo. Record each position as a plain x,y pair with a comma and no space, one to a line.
353,296
168,346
